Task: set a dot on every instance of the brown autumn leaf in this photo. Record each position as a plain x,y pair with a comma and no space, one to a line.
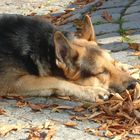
50,134
107,16
42,132
6,128
103,127
78,109
79,118
137,67
21,103
32,14
134,138
136,104
137,92
37,107
95,114
134,46
49,124
34,135
121,136
128,106
137,114
64,107
69,10
118,128
2,112
108,133
116,96
136,130
70,124
136,53
64,97
93,131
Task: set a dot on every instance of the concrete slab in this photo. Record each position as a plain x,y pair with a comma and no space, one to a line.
114,3
99,11
109,38
98,19
115,46
132,17
106,28
133,9
131,25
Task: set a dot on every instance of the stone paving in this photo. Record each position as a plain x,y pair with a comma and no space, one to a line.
111,36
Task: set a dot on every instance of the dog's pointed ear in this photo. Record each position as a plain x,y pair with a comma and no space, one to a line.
88,31
63,49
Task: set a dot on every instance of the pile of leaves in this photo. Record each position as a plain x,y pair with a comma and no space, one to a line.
71,14
118,116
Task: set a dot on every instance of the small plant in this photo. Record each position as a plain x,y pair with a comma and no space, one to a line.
119,21
122,32
127,40
98,23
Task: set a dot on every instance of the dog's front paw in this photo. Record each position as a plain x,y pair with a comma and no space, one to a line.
95,94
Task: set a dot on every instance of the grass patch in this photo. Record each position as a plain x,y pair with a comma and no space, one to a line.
122,32
119,21
127,40
99,22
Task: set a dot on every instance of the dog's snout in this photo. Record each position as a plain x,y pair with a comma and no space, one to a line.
132,84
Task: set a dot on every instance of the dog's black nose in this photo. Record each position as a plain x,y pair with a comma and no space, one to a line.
132,84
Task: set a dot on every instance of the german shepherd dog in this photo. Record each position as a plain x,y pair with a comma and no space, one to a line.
36,59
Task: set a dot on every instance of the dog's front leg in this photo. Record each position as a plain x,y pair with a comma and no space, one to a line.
45,86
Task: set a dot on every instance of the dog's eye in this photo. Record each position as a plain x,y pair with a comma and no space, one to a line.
86,74
104,71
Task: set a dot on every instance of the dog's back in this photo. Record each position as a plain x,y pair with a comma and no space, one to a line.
25,39
26,47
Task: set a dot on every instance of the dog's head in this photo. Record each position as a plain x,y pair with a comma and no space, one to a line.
85,63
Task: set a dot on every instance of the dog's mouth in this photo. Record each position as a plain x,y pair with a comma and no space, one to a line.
120,89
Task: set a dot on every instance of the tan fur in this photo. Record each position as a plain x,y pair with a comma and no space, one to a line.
29,85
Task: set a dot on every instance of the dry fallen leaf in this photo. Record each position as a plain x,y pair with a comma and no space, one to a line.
6,128
79,118
134,138
21,103
34,135
136,53
37,107
64,107
107,16
2,112
70,124
69,10
93,131
49,124
78,108
103,127
136,130
42,132
134,46
137,114
137,92
108,133
137,66
64,97
50,134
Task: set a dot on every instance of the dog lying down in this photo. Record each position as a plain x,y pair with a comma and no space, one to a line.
36,59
